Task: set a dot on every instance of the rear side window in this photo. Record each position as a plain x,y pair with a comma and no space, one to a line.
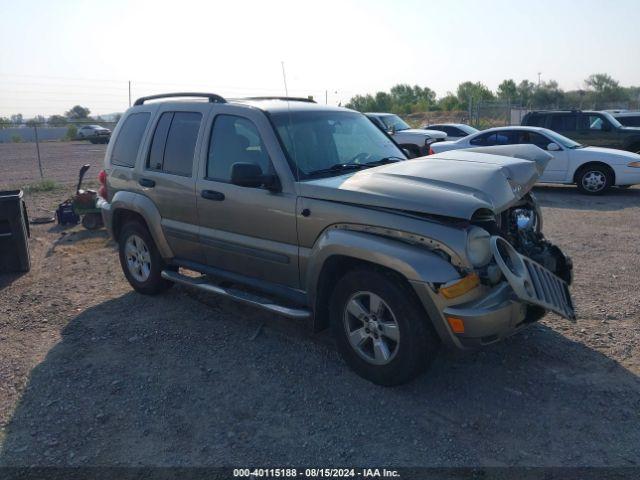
125,150
629,121
174,143
563,123
535,120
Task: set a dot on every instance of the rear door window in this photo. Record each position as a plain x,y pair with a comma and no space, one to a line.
532,138
564,123
493,138
174,143
125,149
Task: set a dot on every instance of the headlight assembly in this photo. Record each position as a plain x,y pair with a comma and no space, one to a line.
478,246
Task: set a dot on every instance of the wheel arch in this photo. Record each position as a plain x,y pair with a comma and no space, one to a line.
340,251
595,163
130,206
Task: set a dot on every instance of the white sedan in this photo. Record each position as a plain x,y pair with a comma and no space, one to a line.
592,169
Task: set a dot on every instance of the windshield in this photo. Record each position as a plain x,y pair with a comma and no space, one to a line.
394,121
562,140
612,119
467,129
317,142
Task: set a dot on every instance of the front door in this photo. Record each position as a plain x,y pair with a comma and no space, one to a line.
251,231
557,167
595,130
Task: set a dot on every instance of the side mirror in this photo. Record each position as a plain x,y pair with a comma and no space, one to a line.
553,147
250,175
392,130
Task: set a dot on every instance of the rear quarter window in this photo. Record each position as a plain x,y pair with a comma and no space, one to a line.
127,144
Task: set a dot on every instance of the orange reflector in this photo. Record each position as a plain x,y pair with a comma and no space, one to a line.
456,324
461,286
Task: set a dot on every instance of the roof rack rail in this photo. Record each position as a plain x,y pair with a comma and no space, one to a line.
293,99
213,97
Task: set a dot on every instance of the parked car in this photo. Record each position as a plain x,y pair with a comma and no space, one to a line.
454,131
628,119
592,169
311,212
94,133
415,140
598,129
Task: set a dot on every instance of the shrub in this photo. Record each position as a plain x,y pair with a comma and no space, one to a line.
72,132
16,138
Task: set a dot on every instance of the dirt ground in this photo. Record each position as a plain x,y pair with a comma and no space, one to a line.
92,373
61,162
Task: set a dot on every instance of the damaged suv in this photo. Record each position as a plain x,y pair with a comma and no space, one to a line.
312,212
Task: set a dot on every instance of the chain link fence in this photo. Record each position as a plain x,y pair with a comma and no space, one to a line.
41,155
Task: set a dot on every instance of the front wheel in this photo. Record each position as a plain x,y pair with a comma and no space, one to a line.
140,260
381,330
594,180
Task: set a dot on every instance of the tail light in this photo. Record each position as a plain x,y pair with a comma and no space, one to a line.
102,178
431,152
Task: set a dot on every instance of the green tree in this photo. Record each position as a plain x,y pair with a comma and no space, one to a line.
36,121
449,102
16,119
605,88
524,92
78,112
548,94
57,120
475,92
5,122
507,90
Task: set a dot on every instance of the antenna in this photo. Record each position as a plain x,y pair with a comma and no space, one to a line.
284,78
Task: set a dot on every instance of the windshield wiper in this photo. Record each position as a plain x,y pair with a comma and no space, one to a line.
338,167
341,167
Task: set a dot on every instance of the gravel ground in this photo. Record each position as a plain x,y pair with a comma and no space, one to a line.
92,373
61,162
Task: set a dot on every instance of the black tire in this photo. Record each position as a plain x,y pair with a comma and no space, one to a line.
92,221
602,172
150,284
418,343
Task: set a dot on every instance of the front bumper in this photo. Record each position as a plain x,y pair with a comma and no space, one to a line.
492,313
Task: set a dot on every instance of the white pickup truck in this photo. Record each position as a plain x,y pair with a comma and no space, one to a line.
416,140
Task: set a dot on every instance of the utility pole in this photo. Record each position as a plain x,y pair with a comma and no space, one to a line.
129,92
539,73
326,97
35,131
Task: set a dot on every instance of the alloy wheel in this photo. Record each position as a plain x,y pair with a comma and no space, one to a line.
372,328
594,180
138,258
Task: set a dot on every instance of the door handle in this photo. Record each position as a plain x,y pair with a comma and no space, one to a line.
212,195
145,182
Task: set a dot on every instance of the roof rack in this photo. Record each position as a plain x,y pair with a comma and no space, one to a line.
293,99
213,97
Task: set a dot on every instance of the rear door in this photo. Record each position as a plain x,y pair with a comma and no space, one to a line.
168,176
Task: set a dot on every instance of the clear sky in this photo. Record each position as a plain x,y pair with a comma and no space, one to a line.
57,53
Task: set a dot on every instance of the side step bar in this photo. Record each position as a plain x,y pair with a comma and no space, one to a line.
202,284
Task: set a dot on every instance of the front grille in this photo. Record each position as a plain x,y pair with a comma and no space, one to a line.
550,289
531,282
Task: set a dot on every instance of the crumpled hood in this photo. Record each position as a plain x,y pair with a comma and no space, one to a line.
453,184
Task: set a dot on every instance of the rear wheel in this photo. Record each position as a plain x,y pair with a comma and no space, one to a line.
381,330
594,179
140,260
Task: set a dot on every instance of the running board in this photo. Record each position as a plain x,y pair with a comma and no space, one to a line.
202,284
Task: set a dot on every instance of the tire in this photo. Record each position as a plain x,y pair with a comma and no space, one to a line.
399,316
594,179
144,271
92,221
